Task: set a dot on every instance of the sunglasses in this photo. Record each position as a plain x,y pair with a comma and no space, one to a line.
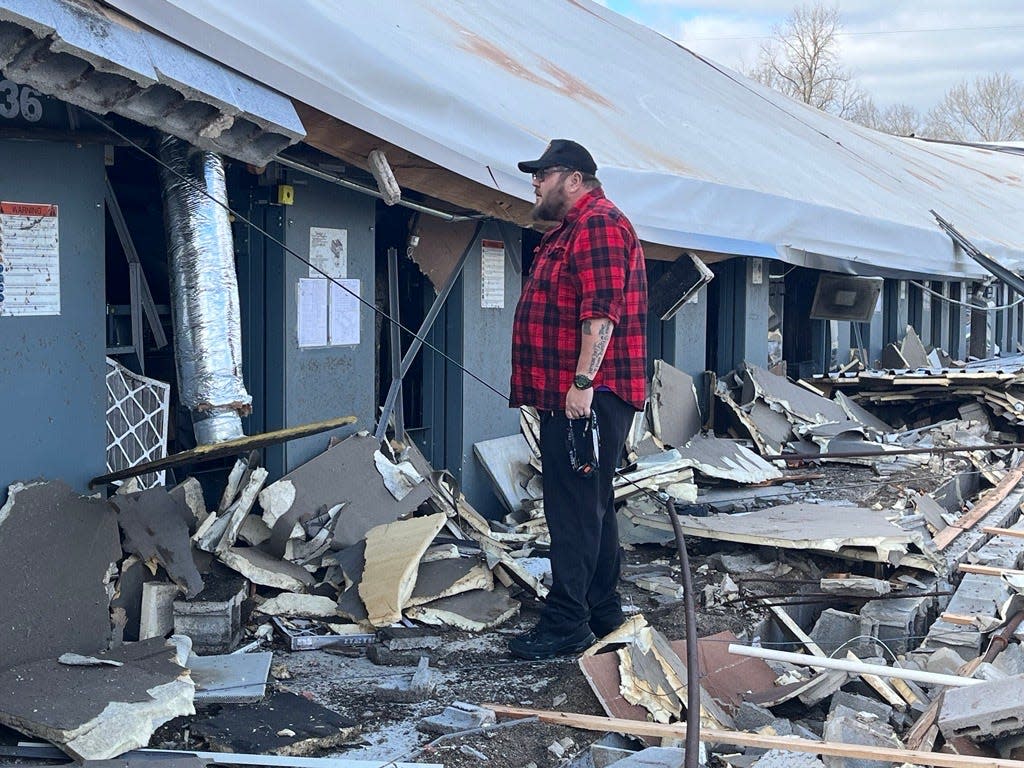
543,173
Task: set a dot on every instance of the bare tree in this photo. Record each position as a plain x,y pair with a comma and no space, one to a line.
802,60
989,109
898,119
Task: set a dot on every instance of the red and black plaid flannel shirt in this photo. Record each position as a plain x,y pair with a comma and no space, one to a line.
590,266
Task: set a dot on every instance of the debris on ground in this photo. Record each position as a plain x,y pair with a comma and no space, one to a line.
358,608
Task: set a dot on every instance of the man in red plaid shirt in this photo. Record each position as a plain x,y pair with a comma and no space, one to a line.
579,347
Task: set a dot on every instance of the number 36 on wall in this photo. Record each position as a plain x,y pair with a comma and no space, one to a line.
19,101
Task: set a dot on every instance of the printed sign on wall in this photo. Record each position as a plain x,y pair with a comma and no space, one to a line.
29,259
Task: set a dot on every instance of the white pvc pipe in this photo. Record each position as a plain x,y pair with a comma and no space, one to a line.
857,667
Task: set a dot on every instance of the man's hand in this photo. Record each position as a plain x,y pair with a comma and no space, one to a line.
578,402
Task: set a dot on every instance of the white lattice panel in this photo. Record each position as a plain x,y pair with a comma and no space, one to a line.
137,410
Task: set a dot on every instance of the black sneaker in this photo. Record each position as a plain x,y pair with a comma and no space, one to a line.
540,643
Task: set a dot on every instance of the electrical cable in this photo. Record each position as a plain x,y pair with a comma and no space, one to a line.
949,300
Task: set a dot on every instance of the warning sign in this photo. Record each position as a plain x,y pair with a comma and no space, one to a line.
29,259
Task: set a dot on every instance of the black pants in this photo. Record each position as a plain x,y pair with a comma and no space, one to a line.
585,553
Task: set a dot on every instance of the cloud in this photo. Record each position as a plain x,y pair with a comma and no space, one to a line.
892,64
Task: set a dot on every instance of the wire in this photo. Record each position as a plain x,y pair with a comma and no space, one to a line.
949,300
873,639
288,250
868,33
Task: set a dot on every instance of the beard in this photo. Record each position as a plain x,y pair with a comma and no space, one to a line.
551,207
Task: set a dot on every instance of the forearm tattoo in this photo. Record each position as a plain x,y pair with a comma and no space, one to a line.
604,334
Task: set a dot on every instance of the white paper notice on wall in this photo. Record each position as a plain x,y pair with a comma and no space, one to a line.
29,259
492,274
328,251
345,313
311,307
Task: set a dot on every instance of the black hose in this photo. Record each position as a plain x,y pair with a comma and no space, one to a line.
691,759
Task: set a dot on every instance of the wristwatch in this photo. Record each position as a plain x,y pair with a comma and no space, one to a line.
582,381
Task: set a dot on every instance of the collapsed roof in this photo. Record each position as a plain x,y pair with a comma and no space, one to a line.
697,155
89,56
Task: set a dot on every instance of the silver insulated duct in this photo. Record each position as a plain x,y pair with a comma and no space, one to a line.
204,291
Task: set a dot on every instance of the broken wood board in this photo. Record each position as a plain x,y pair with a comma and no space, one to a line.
602,674
474,611
850,532
745,739
344,473
234,678
675,412
447,577
392,555
726,460
101,711
154,528
264,727
267,571
506,460
56,551
1012,479
239,445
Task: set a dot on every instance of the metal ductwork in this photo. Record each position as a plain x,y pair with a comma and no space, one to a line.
204,291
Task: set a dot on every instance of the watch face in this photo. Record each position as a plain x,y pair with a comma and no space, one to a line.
582,382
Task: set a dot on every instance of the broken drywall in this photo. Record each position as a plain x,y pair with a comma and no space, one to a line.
675,413
155,529
102,711
56,550
392,555
347,474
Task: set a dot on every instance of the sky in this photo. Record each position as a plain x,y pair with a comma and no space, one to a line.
898,51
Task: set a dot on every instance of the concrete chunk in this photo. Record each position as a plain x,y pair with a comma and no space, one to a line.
156,618
899,622
458,717
775,758
654,757
846,726
838,630
859,703
985,711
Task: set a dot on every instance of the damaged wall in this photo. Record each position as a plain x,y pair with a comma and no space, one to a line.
52,370
316,383
486,351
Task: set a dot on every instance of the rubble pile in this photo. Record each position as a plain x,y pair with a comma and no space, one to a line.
905,614
921,395
903,605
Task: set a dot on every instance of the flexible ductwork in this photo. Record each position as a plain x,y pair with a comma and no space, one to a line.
204,291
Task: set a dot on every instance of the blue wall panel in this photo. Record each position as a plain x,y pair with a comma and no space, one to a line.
327,382
52,390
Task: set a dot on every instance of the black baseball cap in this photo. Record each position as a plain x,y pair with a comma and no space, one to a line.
562,152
